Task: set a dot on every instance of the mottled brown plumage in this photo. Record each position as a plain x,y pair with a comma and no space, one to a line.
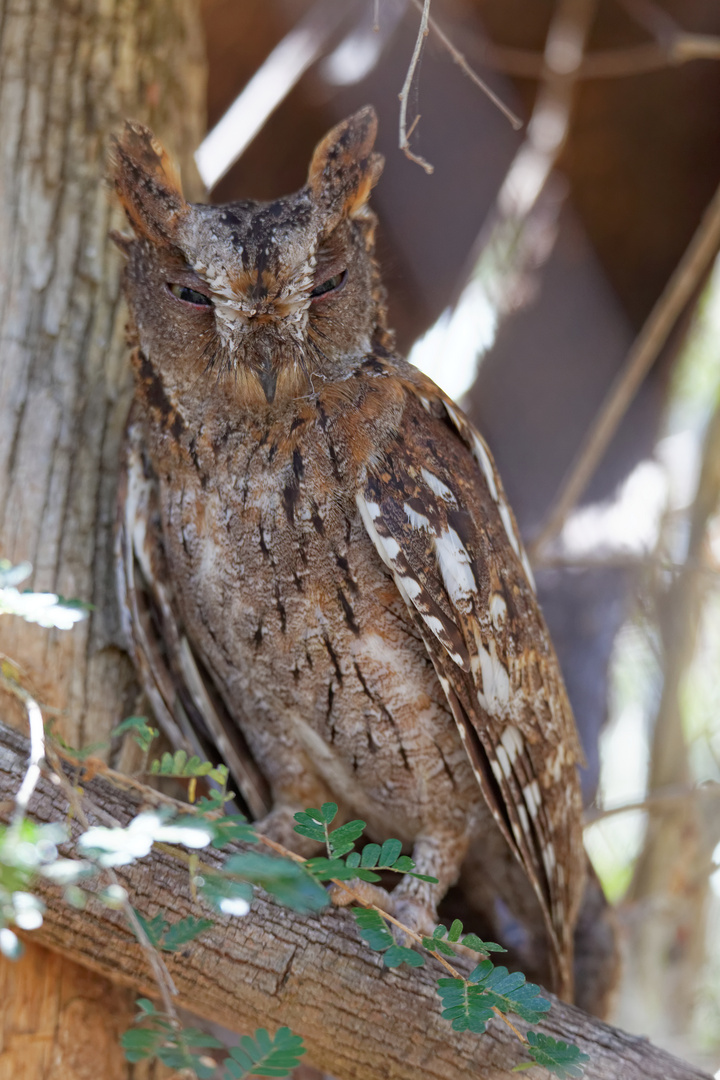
316,555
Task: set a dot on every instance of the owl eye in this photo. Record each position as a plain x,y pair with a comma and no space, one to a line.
331,285
190,296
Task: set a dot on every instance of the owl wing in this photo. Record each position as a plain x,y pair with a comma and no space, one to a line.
182,694
434,507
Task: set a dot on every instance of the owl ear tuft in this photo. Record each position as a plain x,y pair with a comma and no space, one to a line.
147,183
344,169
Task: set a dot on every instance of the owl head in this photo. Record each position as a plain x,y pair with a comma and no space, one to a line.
277,295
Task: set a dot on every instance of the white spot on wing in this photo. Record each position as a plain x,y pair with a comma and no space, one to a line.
509,528
504,761
454,563
412,587
498,610
391,546
483,459
549,860
512,741
528,569
418,521
531,794
495,694
436,485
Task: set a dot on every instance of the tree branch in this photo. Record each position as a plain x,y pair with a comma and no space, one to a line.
358,1019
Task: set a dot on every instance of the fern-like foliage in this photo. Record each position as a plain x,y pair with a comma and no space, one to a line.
340,843
562,1059
172,936
265,1056
178,1048
374,931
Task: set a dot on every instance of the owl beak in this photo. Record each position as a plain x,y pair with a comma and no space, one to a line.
268,380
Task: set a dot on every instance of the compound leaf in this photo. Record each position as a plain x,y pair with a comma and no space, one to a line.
262,1055
373,929
288,881
562,1059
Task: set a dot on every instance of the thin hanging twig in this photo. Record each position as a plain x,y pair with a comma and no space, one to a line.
678,291
463,64
405,92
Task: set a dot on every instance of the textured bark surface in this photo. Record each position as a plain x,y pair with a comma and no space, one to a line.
70,71
274,967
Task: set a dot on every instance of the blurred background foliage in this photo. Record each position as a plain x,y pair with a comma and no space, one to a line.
519,274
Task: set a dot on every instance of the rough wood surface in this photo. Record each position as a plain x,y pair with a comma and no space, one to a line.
274,967
70,71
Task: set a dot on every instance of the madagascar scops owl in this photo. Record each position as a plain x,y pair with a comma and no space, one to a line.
317,563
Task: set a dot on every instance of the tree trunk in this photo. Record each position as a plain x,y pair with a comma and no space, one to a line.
358,1019
70,71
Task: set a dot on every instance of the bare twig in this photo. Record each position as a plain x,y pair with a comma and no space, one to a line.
663,797
463,64
407,86
678,291
611,63
618,561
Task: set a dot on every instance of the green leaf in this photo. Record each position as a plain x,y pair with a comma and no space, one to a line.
141,730
373,929
265,1056
288,881
323,869
509,992
370,855
367,875
437,945
440,931
455,930
232,828
464,1005
180,766
328,812
342,840
398,954
146,1008
472,941
154,928
561,1059
390,852
177,1048
353,859
405,865
308,826
140,1044
209,804
183,931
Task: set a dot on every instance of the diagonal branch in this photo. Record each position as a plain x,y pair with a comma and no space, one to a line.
359,1020
677,293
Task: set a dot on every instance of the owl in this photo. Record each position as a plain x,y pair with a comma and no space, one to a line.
317,566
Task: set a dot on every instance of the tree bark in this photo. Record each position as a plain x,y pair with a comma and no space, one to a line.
274,967
70,72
